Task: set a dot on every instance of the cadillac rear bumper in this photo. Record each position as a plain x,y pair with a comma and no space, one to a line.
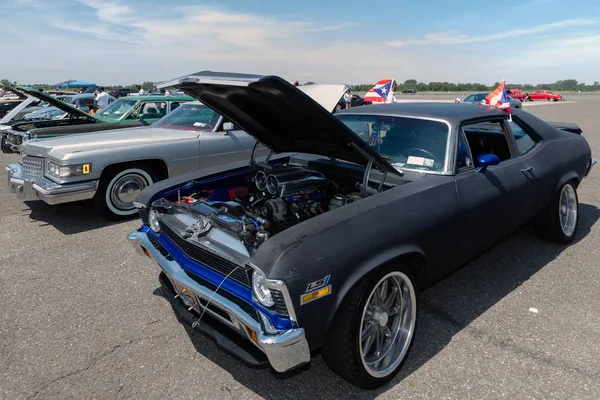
284,350
28,189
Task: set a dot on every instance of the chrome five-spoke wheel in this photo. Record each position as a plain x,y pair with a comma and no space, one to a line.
567,210
387,324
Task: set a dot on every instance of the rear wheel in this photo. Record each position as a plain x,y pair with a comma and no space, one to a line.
118,189
374,328
559,221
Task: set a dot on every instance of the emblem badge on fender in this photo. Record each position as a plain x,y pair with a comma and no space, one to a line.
317,284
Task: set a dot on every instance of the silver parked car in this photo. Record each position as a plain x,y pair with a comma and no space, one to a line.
112,167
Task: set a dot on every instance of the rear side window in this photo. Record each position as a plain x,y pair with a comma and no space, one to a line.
487,137
525,141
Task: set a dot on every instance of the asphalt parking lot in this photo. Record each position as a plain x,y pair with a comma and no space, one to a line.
81,315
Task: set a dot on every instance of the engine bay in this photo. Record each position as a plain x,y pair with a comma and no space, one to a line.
274,198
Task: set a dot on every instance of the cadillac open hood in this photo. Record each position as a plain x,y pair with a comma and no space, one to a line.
58,104
279,115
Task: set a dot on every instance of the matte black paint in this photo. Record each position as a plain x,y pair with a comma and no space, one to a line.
442,221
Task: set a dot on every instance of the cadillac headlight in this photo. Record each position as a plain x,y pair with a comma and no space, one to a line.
153,221
62,171
260,289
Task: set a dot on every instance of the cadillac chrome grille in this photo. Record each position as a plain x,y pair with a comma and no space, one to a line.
32,166
207,258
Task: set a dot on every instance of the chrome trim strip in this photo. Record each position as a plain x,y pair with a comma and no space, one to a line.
285,349
593,162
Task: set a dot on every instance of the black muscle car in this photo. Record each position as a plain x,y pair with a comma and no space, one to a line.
325,243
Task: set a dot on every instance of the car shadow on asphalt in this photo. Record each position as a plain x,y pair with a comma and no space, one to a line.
68,218
445,309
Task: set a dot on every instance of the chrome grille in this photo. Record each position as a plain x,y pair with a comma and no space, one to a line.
32,166
208,259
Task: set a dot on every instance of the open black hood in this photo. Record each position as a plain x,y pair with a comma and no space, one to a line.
58,104
278,114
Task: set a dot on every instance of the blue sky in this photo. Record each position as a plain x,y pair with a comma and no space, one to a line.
122,42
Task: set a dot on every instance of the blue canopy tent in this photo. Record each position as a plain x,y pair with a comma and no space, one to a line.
77,84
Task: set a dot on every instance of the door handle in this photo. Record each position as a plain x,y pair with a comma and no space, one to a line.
528,172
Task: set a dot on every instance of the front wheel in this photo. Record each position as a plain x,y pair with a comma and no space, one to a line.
560,219
373,329
118,189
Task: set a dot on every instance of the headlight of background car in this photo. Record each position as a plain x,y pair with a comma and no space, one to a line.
68,171
153,221
261,291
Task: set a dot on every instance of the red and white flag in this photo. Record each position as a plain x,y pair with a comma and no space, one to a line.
499,99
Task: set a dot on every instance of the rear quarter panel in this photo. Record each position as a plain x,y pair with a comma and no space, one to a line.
562,156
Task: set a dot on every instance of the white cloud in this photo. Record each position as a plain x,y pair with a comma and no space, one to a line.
113,43
454,37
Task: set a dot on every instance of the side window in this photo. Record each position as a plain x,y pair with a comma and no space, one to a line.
174,105
463,158
524,141
487,137
154,109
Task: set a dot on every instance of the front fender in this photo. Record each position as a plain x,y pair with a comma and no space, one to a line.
317,319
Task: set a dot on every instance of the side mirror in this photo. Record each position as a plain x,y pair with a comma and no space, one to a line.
227,127
485,160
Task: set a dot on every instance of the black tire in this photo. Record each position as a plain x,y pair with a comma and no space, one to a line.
341,349
105,201
551,99
548,224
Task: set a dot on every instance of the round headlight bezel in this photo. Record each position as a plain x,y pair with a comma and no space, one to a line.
261,291
153,221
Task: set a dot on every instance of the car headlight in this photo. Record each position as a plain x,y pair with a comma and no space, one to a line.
62,171
260,289
153,221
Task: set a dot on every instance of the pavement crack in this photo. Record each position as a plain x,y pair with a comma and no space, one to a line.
93,362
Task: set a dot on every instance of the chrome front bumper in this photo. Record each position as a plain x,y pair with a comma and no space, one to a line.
592,163
284,350
27,188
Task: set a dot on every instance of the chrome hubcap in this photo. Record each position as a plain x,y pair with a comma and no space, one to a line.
125,190
567,210
387,325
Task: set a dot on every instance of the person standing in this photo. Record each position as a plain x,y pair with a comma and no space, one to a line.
348,98
102,98
141,91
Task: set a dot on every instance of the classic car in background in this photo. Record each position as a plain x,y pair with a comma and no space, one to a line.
120,92
12,98
478,97
355,102
112,167
544,95
328,248
75,120
147,108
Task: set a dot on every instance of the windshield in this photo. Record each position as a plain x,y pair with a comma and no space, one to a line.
117,109
406,143
45,113
475,97
190,117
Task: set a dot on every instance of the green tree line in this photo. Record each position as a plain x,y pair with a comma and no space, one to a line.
45,86
564,85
